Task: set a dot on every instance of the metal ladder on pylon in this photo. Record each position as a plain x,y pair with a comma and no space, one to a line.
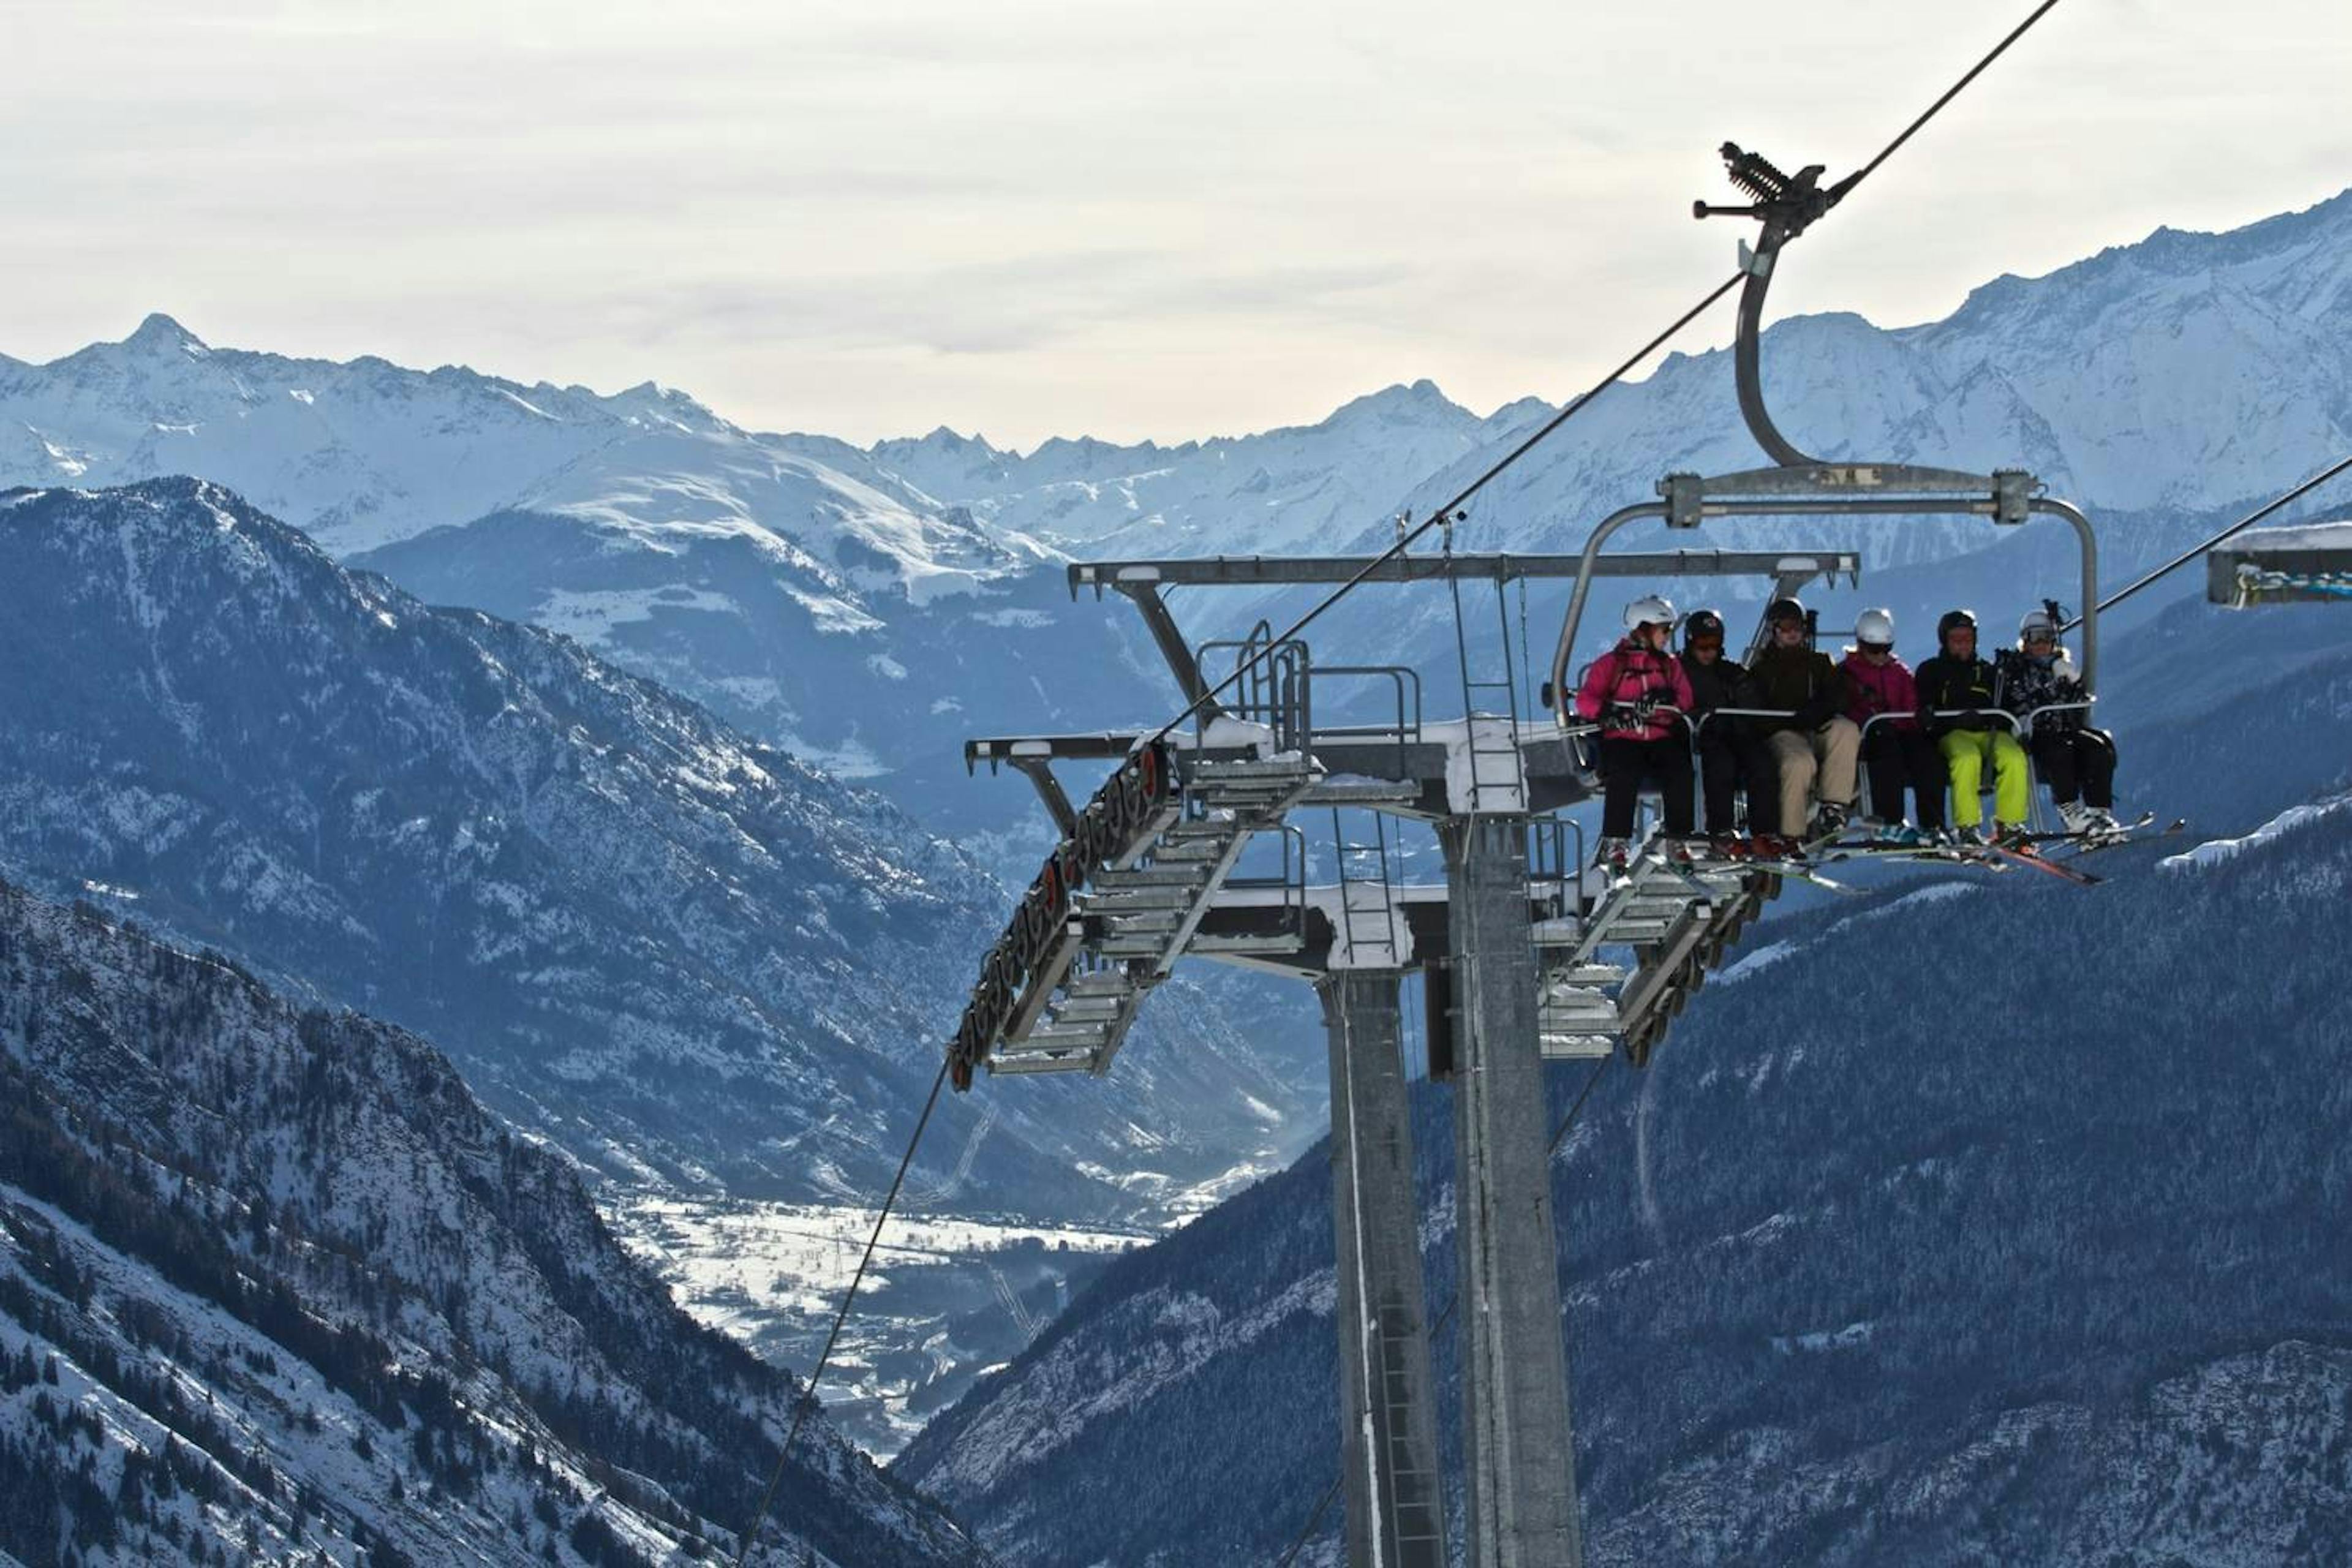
1413,1492
1490,740
1368,923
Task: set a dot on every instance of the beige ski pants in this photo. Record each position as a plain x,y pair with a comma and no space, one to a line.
1828,754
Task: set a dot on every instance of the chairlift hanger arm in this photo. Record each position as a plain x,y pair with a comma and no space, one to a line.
1787,205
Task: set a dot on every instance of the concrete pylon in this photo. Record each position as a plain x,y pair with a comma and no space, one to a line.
1517,1426
1388,1426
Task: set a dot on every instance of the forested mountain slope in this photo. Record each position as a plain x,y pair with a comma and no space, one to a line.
275,1288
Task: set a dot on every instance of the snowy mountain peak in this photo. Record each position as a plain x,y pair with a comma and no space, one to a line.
943,439
369,453
1418,404
1088,455
664,404
2319,231
1417,395
158,333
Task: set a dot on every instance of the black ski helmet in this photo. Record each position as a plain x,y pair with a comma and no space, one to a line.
1784,610
1702,624
1953,620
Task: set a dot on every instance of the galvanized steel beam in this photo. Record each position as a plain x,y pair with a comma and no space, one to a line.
1388,1419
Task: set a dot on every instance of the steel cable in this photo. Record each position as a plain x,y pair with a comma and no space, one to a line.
807,1400
1845,187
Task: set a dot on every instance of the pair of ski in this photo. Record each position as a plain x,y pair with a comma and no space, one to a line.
1806,860
1806,867
2001,856
1802,861
2027,850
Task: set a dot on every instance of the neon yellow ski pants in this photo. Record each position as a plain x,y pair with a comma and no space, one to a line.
1965,751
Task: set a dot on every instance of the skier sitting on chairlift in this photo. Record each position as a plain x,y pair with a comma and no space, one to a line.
1730,756
1896,750
1817,739
1630,690
1959,706
2077,762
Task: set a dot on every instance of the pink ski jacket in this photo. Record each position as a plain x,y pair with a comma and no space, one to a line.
1872,689
1626,674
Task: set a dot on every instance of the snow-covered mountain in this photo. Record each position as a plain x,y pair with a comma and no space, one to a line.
275,1289
687,957
363,454
789,584
2183,375
1291,490
1984,1222
869,608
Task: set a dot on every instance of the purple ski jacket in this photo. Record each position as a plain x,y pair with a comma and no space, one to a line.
1872,689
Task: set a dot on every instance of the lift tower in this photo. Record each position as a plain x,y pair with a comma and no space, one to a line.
1155,867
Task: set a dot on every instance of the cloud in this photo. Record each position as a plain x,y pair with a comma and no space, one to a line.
1063,215
1014,304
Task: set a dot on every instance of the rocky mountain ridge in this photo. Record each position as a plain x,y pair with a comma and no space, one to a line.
363,454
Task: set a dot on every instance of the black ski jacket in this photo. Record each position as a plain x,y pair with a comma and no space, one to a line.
1946,682
1798,678
1713,686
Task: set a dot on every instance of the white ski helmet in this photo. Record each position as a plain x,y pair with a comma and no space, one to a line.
1649,611
1875,629
2037,620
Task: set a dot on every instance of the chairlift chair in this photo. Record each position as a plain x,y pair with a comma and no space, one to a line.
1796,484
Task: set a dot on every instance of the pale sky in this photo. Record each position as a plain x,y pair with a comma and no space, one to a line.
1032,218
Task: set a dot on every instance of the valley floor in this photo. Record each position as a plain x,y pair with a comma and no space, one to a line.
947,1298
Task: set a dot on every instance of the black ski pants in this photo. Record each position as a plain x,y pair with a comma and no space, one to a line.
2077,764
1626,765
1905,759
1728,761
